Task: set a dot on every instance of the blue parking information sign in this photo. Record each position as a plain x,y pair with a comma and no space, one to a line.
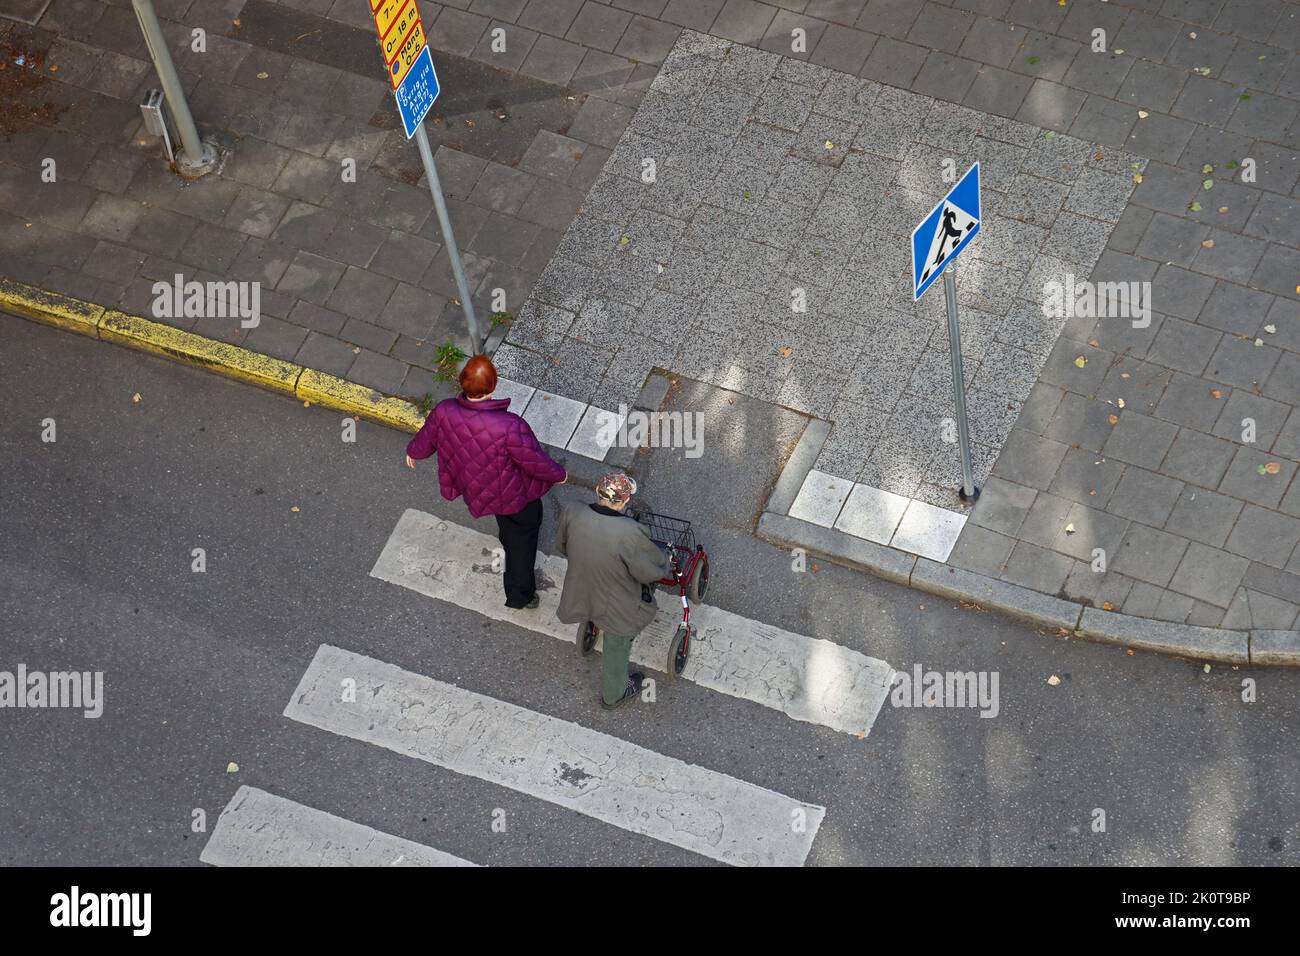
943,234
418,91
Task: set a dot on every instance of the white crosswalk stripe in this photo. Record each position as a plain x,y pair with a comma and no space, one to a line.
261,829
554,760
809,679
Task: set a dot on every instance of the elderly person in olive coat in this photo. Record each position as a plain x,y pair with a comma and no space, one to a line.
610,557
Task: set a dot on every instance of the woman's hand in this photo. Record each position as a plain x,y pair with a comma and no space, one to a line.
410,462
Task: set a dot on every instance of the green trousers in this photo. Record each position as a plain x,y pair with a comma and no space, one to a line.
613,679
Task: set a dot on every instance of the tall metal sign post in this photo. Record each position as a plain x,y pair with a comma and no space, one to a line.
936,242
195,157
415,87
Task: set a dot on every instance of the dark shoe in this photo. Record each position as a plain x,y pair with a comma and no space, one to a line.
537,599
630,693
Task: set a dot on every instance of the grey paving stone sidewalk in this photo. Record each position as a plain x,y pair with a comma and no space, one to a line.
769,253
355,280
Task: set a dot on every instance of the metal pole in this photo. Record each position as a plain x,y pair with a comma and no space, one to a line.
968,491
449,239
195,157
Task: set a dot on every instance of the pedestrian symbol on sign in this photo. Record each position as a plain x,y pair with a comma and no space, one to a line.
953,225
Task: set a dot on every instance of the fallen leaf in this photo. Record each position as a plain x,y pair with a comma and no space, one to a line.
306,404
1259,343
232,767
1094,343
1207,668
1270,329
263,75
1195,207
235,22
1208,184
136,398
1223,209
1119,402
1092,493
1192,34
1107,606
1097,157
1207,244
1273,467
1123,374
786,351
1203,70
1143,114
1207,169
1080,361
1137,178
54,68
1113,419
295,509
1069,528
829,144
1053,680
814,569
1215,393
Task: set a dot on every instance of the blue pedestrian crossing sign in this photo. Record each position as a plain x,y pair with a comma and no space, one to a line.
418,91
943,234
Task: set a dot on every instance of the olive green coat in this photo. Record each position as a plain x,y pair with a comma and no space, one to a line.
610,557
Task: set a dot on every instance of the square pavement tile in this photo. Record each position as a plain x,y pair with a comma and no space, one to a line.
596,433
1149,555
928,531
871,513
821,498
519,395
1209,574
553,417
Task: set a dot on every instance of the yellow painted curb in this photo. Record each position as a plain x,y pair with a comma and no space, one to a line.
221,357
137,332
334,392
50,307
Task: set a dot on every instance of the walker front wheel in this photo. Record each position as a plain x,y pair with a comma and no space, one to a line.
678,651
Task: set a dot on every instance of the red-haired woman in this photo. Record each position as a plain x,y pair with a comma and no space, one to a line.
492,457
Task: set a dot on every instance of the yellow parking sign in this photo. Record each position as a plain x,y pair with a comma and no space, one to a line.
392,41
385,12
407,55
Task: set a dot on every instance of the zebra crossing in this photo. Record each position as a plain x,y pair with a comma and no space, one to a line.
586,771
808,679
261,829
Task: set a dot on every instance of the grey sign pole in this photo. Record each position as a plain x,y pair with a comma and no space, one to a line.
968,490
195,157
448,238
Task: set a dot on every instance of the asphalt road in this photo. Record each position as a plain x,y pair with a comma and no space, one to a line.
96,534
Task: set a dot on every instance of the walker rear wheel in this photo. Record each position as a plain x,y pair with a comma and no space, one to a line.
588,633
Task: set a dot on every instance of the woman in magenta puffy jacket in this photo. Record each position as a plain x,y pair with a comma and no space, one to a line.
491,456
